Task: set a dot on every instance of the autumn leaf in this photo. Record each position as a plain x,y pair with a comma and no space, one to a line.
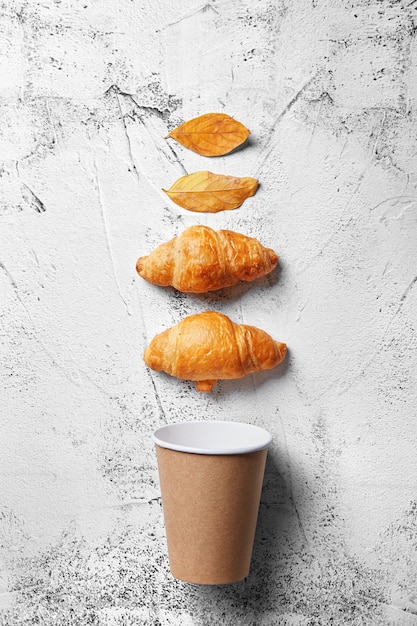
212,134
206,192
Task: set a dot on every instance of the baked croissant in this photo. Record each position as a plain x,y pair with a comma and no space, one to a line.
208,346
201,259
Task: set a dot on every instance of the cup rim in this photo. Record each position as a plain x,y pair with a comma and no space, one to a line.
253,439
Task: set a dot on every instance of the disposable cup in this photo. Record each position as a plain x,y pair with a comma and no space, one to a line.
211,476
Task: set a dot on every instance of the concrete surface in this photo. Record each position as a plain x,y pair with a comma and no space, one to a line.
89,89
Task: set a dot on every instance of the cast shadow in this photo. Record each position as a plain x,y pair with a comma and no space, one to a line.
277,529
248,143
253,381
215,299
238,290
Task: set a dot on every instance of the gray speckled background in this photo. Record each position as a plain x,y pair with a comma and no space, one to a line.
88,90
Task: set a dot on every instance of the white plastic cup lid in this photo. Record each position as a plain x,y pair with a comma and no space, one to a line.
212,437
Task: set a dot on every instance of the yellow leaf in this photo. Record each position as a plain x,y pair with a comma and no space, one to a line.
212,134
206,192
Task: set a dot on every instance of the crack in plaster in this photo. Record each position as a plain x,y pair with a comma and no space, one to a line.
267,149
107,237
32,199
204,9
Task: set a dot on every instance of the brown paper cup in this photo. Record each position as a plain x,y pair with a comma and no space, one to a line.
211,477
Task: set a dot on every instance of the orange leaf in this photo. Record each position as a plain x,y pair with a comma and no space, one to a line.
206,192
212,134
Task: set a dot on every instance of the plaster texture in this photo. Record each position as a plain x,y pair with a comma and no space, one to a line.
88,91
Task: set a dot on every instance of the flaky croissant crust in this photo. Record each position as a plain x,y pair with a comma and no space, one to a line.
201,259
208,346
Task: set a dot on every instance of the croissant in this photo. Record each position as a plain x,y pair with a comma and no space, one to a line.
208,346
201,259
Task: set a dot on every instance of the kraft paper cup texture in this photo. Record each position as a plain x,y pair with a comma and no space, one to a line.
211,476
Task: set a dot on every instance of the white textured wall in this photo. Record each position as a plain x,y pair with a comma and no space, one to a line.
88,90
